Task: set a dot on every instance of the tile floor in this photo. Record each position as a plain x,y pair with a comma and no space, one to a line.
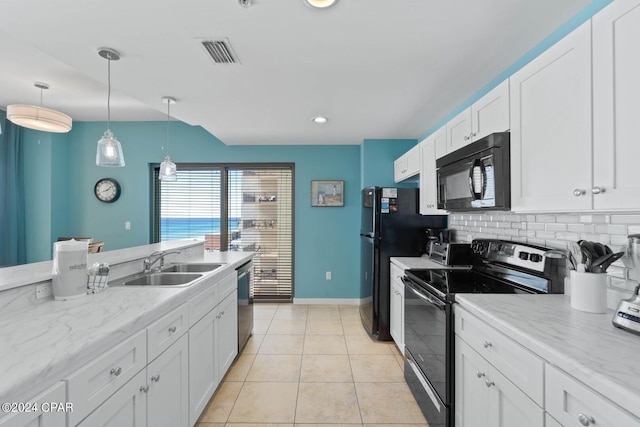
313,364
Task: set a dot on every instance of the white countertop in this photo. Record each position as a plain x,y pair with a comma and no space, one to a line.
42,343
415,262
585,345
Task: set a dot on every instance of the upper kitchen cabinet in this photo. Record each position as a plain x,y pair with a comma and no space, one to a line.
551,128
407,165
616,90
487,115
431,148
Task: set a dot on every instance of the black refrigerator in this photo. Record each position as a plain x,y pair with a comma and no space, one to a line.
391,226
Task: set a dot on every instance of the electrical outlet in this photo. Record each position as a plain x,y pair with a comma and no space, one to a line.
43,290
327,275
127,225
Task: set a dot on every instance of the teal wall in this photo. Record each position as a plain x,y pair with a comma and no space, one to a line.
63,173
375,154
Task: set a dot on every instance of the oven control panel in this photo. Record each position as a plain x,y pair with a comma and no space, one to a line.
511,253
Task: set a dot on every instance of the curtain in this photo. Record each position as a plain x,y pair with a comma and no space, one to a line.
12,207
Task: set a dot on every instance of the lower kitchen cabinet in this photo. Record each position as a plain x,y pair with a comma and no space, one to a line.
40,417
167,387
227,332
396,324
485,397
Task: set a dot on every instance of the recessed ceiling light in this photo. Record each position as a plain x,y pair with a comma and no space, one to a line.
320,120
321,4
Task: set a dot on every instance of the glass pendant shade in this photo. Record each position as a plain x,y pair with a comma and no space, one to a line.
168,170
109,151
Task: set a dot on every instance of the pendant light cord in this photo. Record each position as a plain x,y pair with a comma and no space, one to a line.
168,117
109,92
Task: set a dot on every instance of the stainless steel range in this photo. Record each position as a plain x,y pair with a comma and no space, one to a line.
497,267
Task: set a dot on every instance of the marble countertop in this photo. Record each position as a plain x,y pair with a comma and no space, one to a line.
585,345
415,262
43,343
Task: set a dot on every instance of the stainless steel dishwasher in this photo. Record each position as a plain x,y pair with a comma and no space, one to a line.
245,303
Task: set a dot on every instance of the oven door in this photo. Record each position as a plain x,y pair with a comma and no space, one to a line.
427,359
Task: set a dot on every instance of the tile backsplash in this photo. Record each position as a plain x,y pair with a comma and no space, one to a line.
555,231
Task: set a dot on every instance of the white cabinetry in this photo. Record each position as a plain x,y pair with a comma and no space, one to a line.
407,165
40,417
616,90
431,148
487,115
551,128
396,324
498,382
574,404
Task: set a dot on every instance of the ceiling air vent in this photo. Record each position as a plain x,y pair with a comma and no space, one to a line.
220,51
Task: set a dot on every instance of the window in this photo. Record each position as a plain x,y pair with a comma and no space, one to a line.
234,207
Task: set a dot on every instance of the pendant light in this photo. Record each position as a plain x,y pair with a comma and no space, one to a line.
168,170
109,151
39,118
320,4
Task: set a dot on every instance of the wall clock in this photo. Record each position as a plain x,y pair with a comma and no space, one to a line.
107,190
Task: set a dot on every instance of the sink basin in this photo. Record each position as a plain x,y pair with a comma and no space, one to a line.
191,268
163,279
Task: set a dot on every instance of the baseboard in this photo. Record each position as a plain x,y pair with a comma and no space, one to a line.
329,301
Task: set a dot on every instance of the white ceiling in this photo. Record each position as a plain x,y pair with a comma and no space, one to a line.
375,68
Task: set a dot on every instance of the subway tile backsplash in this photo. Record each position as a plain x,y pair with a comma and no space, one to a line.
555,231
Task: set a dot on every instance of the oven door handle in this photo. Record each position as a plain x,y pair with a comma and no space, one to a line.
425,385
422,296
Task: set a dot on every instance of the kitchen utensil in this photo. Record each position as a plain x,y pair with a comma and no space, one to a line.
587,256
601,264
576,254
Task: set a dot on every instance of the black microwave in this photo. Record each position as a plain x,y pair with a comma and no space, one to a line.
476,176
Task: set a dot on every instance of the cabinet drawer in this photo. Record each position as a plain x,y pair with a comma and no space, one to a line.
574,404
165,331
522,367
203,303
91,385
228,284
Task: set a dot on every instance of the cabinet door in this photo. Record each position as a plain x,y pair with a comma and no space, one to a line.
203,364
508,405
616,90
551,128
459,131
396,324
400,168
40,418
490,113
126,408
168,381
471,393
227,331
428,180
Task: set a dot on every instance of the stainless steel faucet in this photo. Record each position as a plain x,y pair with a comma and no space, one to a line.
156,256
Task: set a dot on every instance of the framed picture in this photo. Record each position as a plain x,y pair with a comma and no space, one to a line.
327,193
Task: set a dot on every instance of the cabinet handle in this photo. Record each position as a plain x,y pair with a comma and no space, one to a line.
144,388
218,316
222,314
155,378
479,374
172,329
578,192
486,344
586,420
466,138
489,383
597,190
116,371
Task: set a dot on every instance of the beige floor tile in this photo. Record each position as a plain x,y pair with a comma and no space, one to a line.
209,425
275,368
287,326
223,400
240,368
324,327
291,311
258,425
324,344
282,344
328,368
353,327
329,312
265,403
261,326
394,425
400,360
363,344
327,403
327,425
380,368
253,344
349,312
390,403
264,311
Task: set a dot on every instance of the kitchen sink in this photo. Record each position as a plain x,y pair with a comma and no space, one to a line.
191,268
159,279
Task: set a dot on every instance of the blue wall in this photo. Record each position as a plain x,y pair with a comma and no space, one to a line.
375,169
